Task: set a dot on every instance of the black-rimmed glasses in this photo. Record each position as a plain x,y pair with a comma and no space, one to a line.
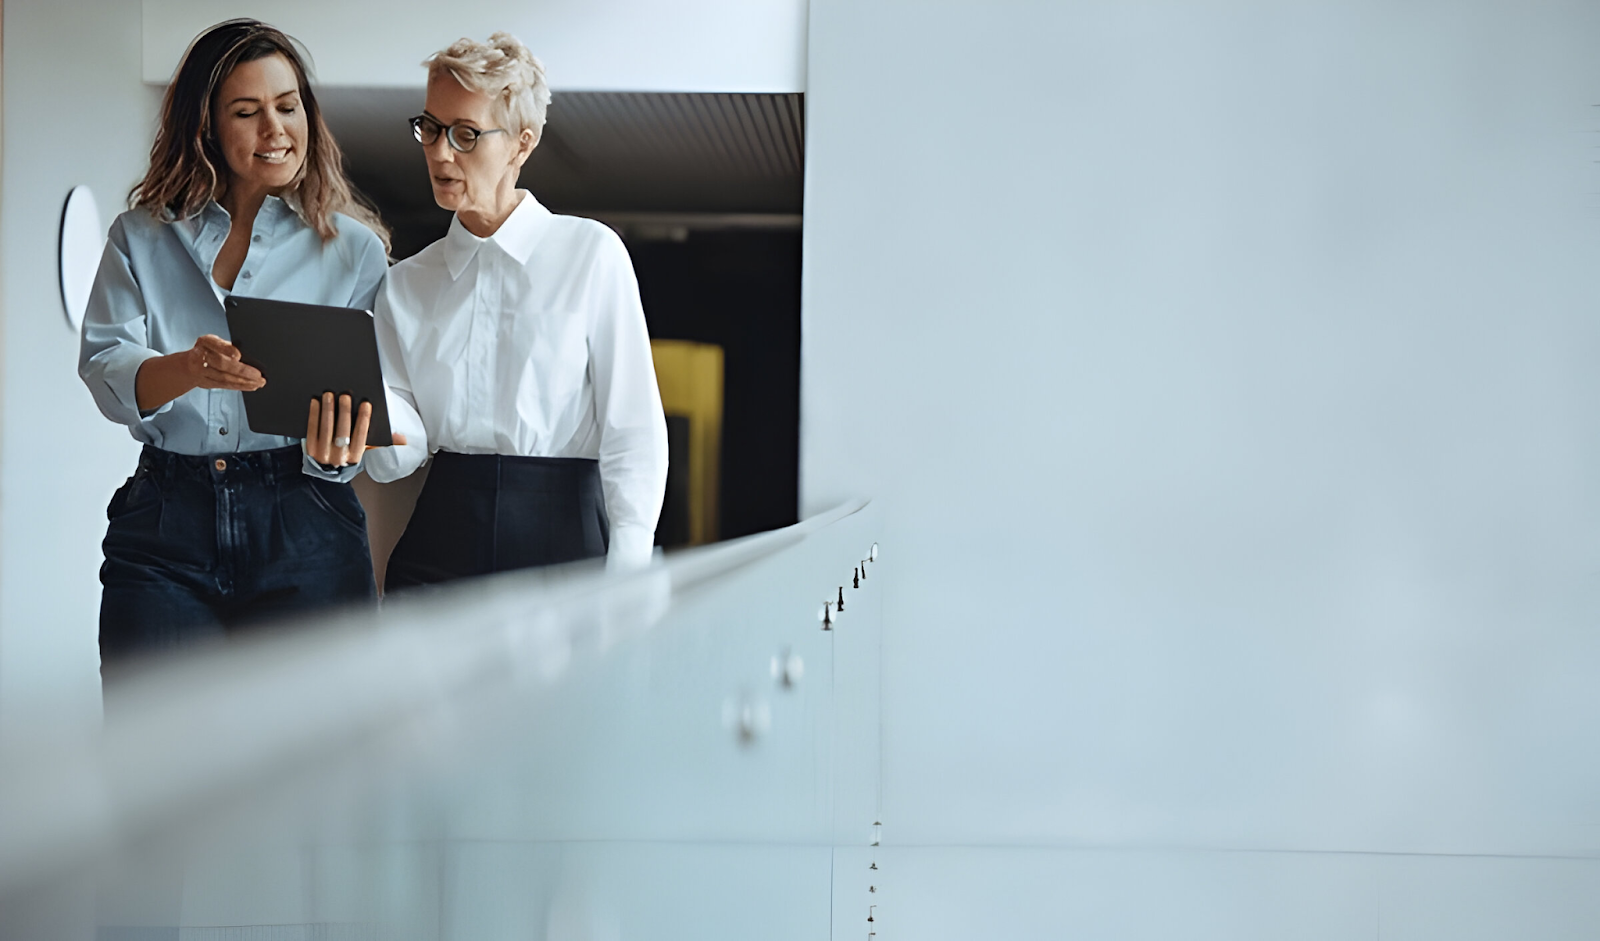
459,136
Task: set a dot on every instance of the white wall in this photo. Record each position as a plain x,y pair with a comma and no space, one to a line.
1228,373
595,45
75,112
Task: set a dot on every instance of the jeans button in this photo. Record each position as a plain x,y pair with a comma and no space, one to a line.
221,465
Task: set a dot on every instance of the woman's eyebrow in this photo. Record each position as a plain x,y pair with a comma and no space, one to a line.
250,100
443,123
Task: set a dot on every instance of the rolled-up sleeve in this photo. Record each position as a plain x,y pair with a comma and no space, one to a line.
392,463
633,430
115,338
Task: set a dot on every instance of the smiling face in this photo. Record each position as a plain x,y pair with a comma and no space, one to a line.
484,180
261,124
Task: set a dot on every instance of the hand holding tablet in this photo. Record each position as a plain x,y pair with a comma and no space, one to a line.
324,380
329,434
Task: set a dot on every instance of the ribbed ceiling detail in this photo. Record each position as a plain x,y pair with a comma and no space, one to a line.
602,153
683,135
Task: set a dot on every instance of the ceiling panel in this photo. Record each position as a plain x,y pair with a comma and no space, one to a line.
602,152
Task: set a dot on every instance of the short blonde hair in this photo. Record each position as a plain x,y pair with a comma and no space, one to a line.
503,69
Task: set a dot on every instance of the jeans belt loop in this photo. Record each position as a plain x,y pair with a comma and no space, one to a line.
151,465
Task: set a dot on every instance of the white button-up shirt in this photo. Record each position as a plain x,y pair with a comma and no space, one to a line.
530,342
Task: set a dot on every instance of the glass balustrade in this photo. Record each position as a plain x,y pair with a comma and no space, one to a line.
686,752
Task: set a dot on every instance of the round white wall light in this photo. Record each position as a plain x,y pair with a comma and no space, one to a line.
82,241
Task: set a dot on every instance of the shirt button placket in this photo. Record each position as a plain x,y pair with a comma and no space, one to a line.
252,261
482,342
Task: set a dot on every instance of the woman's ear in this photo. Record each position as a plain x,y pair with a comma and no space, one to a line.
526,141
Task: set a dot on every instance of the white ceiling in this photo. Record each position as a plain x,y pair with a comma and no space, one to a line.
606,45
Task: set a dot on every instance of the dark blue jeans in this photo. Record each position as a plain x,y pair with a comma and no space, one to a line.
200,546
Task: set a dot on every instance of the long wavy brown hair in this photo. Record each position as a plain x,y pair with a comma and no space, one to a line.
187,168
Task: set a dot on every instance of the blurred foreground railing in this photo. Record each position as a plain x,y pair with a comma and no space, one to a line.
681,752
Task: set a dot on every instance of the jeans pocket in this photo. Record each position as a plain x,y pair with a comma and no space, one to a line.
338,501
137,493
118,499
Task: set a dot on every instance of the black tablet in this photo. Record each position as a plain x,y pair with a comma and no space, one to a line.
304,350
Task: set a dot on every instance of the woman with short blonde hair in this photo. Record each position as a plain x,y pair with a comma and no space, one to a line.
517,347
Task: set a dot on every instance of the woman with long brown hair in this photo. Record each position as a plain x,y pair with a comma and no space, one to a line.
246,194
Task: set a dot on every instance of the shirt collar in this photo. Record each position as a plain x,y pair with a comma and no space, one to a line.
204,232
213,215
517,236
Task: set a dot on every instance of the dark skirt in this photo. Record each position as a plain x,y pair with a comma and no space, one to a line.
201,545
483,513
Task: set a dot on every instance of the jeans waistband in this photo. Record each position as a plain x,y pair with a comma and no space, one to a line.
267,466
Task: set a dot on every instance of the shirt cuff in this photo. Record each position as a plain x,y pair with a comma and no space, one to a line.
340,475
121,377
394,462
630,548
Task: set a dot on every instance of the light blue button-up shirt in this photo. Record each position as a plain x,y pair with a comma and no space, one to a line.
154,295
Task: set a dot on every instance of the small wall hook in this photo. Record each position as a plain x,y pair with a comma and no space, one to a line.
840,607
788,668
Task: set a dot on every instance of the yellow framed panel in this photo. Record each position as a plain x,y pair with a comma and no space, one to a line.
689,375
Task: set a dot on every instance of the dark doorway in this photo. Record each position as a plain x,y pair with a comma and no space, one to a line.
739,289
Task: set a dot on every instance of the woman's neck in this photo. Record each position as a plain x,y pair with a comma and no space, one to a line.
243,202
484,221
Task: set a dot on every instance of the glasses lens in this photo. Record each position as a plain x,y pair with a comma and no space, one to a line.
463,138
425,130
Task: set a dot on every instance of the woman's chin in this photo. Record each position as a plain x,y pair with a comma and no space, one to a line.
271,177
447,198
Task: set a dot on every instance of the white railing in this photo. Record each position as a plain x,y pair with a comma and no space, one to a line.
680,752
